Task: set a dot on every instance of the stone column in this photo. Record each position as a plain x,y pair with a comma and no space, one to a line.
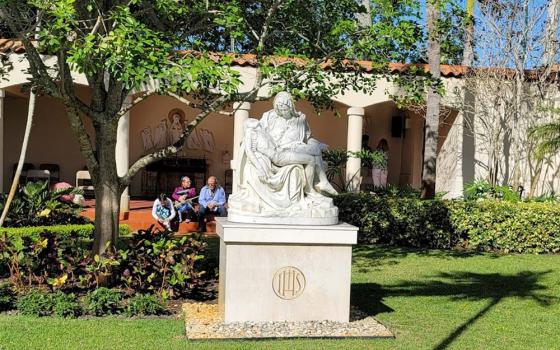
2,95
241,114
354,144
122,154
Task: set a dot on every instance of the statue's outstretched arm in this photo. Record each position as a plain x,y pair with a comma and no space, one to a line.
250,140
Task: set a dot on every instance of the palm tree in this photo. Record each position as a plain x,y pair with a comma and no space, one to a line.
469,100
432,103
468,49
548,136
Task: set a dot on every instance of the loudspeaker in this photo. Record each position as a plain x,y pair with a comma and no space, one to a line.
397,126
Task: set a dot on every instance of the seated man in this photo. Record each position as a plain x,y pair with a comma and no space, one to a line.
212,199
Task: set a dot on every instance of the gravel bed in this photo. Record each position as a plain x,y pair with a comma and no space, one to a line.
203,322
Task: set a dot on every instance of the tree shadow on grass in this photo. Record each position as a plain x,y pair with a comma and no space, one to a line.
365,258
376,252
493,287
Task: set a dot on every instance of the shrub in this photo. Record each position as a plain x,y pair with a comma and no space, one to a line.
406,221
145,263
394,191
43,260
61,260
61,231
65,305
34,204
145,304
37,302
24,240
103,301
165,265
371,159
34,303
545,197
486,225
509,227
482,189
7,297
335,162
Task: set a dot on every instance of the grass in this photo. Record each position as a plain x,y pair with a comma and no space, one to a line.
430,299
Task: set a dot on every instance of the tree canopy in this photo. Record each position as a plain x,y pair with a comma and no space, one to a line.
130,50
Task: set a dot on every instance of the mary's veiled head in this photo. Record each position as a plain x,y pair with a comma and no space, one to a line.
284,105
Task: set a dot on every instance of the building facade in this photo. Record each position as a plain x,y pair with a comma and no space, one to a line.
210,150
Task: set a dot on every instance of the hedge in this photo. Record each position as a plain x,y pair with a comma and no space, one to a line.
488,225
61,230
529,227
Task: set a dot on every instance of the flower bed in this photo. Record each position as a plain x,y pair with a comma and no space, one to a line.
55,274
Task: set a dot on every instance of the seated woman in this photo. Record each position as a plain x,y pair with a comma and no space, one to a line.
163,211
183,196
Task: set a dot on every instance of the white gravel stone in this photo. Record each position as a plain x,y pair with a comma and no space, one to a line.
203,322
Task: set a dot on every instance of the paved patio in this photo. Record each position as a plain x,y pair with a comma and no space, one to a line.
140,217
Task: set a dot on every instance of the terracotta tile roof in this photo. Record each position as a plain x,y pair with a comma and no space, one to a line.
250,60
9,45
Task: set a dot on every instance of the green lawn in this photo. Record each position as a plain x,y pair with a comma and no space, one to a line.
430,299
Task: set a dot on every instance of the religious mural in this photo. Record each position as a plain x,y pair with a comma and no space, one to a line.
169,131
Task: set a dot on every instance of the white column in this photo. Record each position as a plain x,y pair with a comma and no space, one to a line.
122,154
354,144
2,95
241,114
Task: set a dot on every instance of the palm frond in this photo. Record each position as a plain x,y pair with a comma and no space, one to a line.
548,139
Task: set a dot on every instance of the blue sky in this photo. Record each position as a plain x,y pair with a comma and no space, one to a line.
535,8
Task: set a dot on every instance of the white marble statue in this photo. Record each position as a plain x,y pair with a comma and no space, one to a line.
281,173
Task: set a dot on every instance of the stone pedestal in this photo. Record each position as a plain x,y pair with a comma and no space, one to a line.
285,272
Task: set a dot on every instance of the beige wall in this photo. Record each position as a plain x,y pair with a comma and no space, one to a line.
51,139
413,144
157,108
377,124
405,153
327,127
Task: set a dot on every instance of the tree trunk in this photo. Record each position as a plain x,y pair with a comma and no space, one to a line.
15,182
433,105
469,100
551,38
468,48
364,19
107,189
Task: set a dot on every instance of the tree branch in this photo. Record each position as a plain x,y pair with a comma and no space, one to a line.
177,146
253,32
128,106
115,97
37,67
98,93
67,88
265,31
72,104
